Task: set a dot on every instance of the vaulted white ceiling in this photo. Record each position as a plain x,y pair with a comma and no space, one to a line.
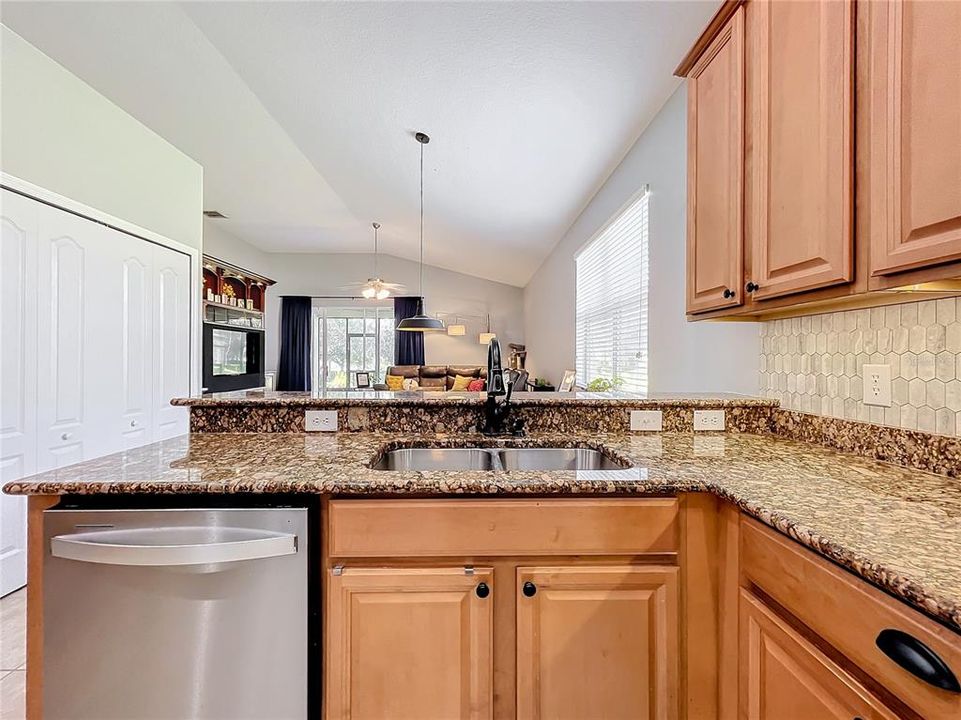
303,113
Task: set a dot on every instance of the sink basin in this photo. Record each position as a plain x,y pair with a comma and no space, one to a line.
557,459
520,459
436,459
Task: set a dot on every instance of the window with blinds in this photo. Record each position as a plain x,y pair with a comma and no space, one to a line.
611,301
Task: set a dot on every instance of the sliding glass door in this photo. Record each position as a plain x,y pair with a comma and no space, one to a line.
348,340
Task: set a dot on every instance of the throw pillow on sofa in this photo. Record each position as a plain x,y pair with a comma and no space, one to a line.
476,385
411,384
461,383
395,382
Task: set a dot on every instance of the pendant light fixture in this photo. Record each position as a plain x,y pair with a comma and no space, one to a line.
486,337
421,322
375,287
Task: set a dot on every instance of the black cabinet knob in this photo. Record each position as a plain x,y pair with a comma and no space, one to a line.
917,658
482,590
728,293
751,286
529,589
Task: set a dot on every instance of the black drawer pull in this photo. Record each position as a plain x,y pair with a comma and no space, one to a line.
482,590
917,658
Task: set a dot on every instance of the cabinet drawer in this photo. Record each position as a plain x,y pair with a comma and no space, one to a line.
850,614
448,528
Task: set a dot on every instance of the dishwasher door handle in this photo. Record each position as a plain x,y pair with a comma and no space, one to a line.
173,546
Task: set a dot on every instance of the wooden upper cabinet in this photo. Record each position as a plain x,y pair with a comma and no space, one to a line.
715,172
409,643
915,134
800,72
597,642
784,677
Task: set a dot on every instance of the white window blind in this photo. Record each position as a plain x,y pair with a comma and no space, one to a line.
611,301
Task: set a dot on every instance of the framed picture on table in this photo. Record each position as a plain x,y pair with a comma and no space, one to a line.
363,380
567,382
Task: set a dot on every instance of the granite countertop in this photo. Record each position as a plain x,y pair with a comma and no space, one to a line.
899,529
340,398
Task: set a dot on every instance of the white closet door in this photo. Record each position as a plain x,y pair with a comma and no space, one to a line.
18,381
134,264
78,359
171,336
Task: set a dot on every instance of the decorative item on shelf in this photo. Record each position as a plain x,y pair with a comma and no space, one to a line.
485,337
456,328
363,380
542,385
567,382
518,356
250,304
421,322
210,295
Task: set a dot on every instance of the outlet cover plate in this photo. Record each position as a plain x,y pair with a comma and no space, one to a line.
877,385
709,420
647,420
320,421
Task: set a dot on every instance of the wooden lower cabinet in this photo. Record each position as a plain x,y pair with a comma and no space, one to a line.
409,643
597,642
784,677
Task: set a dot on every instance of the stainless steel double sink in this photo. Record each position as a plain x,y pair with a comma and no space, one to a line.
497,458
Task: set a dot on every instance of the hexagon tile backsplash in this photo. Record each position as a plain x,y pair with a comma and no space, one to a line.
815,364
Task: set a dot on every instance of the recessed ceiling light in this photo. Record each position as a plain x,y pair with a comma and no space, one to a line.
214,214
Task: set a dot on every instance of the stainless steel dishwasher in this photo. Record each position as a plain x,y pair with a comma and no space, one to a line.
176,614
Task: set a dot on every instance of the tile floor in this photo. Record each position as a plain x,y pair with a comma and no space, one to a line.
13,654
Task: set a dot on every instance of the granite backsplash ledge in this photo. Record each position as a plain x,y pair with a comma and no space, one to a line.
425,413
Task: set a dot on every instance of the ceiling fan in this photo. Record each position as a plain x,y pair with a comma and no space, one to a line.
375,288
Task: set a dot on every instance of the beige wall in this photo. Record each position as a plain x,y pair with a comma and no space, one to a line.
815,364
59,133
683,356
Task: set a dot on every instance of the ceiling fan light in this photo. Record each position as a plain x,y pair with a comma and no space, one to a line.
369,291
383,293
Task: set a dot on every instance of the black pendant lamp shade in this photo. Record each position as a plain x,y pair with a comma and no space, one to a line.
421,322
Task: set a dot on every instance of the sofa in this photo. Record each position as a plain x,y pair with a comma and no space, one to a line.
434,377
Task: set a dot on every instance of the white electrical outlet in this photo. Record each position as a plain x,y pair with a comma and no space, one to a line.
320,420
877,385
708,419
646,420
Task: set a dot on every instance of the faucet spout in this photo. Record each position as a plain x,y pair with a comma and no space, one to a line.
495,371
496,413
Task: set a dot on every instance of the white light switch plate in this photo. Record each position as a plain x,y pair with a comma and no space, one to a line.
320,420
646,420
877,385
708,419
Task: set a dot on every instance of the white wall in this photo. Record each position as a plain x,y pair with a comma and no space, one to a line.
449,294
59,133
684,357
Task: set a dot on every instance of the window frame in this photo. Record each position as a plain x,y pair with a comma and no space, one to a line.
644,190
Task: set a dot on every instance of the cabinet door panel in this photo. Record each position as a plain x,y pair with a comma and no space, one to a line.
137,378
18,380
409,643
916,134
171,340
784,677
597,642
801,69
715,167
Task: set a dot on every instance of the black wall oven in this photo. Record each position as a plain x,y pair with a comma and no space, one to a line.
233,358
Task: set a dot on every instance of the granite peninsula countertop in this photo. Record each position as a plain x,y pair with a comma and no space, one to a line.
341,398
899,529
